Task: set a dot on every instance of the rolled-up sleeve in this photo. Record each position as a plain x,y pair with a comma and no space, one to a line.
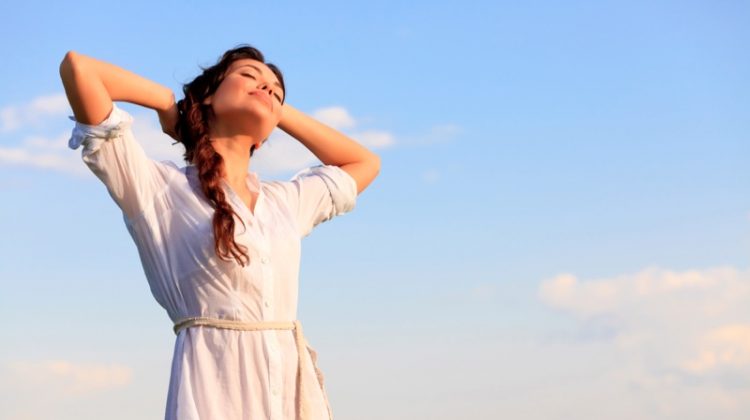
318,194
113,155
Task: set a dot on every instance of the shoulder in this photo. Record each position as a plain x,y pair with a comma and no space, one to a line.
276,188
325,171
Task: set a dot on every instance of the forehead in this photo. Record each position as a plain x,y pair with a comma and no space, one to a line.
245,62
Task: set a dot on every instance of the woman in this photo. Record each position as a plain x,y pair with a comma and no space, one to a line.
220,248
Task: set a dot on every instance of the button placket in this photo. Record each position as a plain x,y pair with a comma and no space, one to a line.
268,286
262,268
274,361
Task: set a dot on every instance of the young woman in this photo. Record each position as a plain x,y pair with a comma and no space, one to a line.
221,248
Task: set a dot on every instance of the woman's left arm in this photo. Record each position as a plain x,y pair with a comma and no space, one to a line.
331,146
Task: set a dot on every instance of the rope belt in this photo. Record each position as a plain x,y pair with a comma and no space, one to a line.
302,407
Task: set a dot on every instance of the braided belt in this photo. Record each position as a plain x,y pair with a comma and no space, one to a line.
303,410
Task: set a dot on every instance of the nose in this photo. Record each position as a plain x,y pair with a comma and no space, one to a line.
265,86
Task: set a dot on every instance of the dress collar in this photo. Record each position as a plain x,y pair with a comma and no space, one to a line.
253,180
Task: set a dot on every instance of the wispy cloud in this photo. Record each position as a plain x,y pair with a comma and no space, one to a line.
375,139
694,324
339,118
15,117
619,294
62,378
670,344
336,116
43,153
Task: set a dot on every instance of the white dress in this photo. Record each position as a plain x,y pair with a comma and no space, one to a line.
221,373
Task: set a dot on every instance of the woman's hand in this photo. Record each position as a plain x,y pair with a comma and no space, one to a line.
168,118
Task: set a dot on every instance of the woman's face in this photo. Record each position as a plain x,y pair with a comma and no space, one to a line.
249,97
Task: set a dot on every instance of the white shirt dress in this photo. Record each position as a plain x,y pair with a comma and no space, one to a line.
221,373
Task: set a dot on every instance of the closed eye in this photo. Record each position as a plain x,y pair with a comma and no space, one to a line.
253,77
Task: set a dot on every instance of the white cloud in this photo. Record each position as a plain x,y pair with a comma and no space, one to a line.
41,153
676,343
335,116
62,379
55,104
693,324
374,139
41,108
650,286
725,347
339,118
44,144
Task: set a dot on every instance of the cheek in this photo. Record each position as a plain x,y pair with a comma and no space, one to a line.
226,97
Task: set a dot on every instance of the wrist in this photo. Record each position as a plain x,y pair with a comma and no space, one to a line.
286,116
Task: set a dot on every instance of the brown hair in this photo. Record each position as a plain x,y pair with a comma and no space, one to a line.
193,132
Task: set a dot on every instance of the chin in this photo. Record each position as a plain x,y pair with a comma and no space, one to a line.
255,117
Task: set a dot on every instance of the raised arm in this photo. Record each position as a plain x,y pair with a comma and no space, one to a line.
105,131
91,85
331,146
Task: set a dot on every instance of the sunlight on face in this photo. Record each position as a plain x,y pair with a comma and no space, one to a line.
248,100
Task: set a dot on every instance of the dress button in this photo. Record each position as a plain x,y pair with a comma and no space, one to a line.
264,260
275,392
267,304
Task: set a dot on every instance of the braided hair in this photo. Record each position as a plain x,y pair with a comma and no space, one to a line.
193,132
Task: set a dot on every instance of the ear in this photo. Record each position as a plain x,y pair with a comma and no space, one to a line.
208,100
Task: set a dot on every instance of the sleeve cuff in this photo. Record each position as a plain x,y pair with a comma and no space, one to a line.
117,121
341,185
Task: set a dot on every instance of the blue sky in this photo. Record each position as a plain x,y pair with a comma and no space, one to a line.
560,229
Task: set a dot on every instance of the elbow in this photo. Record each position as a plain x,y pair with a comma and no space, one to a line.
67,60
67,63
374,168
375,163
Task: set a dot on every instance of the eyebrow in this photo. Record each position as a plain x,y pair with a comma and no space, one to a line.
256,68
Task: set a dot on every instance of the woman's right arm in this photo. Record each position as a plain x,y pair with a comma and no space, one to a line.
105,131
91,85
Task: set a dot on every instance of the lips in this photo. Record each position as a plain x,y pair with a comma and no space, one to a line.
263,97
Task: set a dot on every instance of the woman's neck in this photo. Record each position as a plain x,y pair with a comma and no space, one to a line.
236,154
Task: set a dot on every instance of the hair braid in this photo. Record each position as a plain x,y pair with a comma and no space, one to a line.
192,130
